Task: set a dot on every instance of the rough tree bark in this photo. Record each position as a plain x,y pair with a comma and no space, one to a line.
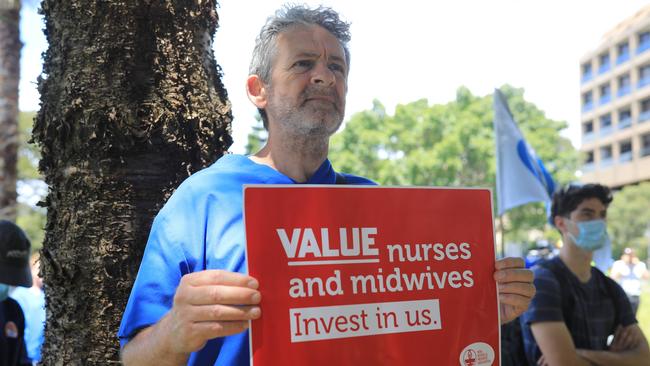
10,46
132,103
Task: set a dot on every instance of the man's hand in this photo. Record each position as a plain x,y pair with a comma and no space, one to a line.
207,305
516,289
211,304
626,338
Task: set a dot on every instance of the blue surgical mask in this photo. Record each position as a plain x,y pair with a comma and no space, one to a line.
592,234
4,291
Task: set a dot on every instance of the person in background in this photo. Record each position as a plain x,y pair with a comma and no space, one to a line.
629,271
14,271
577,308
32,301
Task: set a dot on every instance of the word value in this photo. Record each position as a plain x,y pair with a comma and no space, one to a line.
351,242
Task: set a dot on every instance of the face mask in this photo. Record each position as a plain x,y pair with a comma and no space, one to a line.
4,291
592,234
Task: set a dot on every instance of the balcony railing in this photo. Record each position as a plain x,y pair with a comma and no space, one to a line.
587,106
604,68
588,167
625,156
606,162
588,136
644,116
643,46
604,99
623,57
624,123
644,81
606,130
645,151
586,77
624,90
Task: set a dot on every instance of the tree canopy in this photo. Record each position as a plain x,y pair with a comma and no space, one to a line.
628,219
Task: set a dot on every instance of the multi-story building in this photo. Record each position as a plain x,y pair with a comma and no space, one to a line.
615,92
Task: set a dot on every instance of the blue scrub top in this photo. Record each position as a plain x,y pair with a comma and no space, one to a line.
201,227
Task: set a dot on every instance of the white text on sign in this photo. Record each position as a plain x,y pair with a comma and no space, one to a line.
304,241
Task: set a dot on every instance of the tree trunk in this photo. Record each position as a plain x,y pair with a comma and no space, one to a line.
9,75
132,103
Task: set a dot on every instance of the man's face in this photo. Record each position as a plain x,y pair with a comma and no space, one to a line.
587,210
306,95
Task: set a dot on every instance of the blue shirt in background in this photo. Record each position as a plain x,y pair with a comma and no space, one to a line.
32,301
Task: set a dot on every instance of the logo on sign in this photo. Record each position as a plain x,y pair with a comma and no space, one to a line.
477,354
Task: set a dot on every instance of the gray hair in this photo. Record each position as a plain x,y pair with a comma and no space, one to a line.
286,17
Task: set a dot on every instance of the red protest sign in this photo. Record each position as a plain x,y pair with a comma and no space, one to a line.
372,275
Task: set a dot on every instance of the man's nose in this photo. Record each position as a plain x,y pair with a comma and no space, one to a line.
322,75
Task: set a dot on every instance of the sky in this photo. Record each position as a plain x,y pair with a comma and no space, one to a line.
407,50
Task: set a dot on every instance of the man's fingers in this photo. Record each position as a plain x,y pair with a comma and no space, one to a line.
219,295
510,262
629,339
517,288
514,300
219,277
209,330
208,313
514,275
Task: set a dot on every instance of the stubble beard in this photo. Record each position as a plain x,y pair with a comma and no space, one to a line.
307,124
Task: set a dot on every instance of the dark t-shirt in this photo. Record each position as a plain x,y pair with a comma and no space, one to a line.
591,310
12,346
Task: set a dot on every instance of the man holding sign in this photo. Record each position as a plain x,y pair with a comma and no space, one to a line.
191,302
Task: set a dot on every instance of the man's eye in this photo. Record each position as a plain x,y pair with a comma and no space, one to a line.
303,64
337,67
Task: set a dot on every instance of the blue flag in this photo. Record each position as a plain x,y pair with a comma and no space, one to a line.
521,175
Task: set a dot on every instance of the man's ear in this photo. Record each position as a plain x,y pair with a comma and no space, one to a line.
256,91
560,223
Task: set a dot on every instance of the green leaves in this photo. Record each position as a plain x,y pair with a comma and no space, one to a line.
628,219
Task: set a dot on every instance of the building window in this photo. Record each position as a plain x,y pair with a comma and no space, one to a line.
587,101
589,161
605,124
623,52
587,131
604,63
624,85
644,75
624,118
625,151
644,42
605,94
605,155
645,110
586,72
645,145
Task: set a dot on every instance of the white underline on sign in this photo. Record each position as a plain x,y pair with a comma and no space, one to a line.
341,261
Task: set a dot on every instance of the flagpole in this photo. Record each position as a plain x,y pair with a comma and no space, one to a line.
503,237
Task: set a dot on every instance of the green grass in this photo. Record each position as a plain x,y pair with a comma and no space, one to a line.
643,315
